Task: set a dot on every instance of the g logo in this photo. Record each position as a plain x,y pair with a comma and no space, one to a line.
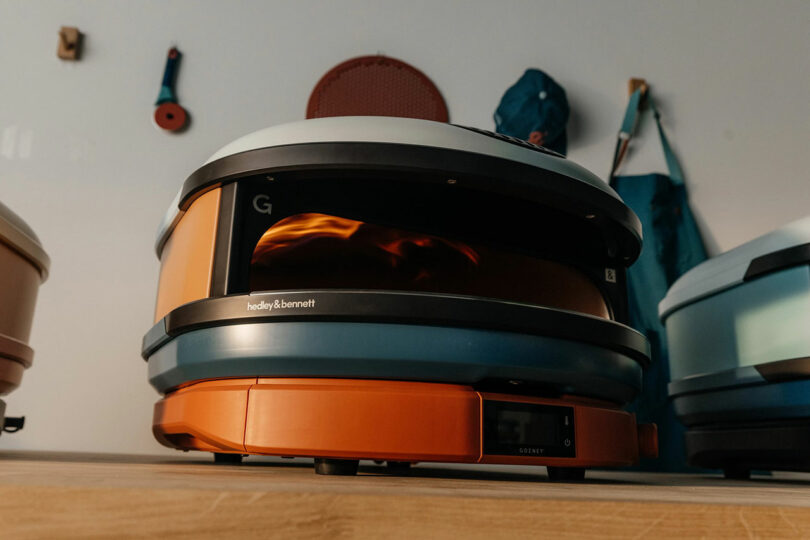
262,205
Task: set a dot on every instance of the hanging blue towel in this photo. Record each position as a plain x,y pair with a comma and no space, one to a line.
672,245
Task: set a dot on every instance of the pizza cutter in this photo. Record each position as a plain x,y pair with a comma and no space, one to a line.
169,115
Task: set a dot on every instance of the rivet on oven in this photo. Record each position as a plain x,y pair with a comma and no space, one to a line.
590,216
452,181
270,178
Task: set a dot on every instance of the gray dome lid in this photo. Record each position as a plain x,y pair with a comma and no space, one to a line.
408,132
16,233
729,269
412,131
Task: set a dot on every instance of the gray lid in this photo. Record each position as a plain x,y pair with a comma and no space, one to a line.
729,269
16,233
411,131
382,129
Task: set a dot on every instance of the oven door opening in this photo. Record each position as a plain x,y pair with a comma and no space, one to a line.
321,251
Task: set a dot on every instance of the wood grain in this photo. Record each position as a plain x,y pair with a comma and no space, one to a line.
87,496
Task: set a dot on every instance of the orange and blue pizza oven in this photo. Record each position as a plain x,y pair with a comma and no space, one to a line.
398,290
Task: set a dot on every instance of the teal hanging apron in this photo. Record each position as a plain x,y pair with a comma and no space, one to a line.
672,245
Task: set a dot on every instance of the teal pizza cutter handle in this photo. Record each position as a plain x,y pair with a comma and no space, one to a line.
166,94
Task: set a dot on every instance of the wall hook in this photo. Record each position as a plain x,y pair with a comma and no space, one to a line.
70,43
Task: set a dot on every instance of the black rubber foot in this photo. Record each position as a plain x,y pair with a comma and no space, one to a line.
12,424
227,459
339,467
398,467
734,473
566,474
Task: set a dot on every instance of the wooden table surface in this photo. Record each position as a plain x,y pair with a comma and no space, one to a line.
63,495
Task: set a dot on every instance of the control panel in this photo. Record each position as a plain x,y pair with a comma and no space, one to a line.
526,429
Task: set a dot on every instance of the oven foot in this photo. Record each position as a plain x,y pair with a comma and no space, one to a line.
566,474
339,467
227,459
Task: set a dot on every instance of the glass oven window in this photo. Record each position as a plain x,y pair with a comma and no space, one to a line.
320,251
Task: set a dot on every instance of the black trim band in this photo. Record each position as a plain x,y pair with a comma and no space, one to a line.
407,308
431,164
224,238
778,260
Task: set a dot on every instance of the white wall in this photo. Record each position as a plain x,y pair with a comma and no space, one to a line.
81,162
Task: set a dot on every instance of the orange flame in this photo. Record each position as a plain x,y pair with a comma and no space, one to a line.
301,228
397,247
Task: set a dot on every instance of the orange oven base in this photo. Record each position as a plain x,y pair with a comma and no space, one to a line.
340,421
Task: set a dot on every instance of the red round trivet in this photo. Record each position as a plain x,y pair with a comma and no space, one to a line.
376,86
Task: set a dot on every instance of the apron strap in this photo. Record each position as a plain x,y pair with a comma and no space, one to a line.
626,133
674,168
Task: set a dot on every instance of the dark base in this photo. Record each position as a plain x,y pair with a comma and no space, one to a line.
13,424
566,474
398,467
9,424
227,459
395,467
337,467
739,448
736,473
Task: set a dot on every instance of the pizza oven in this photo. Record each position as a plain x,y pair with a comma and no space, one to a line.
345,265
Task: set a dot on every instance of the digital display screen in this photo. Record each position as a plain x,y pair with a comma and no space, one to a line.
527,429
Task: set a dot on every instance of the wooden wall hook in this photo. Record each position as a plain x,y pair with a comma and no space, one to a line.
634,84
70,42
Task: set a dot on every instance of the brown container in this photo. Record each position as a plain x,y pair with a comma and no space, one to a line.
23,267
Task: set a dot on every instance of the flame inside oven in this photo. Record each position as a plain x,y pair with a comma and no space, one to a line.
314,250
